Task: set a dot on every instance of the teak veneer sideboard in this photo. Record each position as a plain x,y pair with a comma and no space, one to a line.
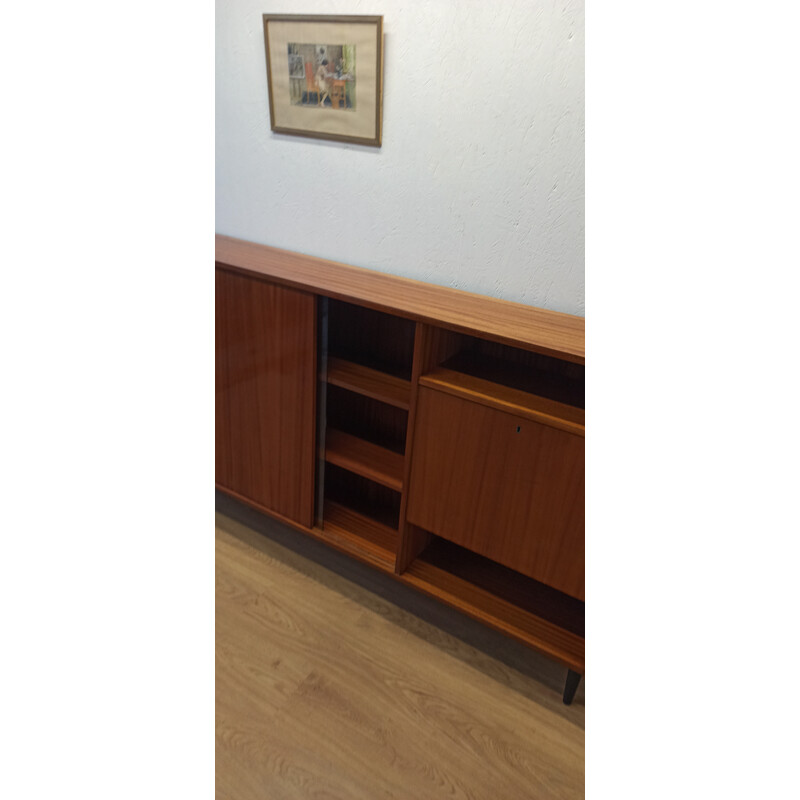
434,434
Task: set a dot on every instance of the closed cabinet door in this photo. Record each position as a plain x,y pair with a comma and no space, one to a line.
502,486
265,394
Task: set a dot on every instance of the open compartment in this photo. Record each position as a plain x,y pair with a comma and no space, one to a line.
526,593
376,422
513,368
361,509
366,392
523,370
540,387
381,343
513,603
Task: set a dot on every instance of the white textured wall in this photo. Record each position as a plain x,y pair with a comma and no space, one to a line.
479,183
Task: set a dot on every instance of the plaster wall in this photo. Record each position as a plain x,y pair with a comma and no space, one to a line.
479,184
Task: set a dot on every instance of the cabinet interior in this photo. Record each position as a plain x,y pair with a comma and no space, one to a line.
361,495
381,342
503,583
513,368
367,418
368,357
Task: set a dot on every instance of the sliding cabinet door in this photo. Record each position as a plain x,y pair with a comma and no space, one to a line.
265,394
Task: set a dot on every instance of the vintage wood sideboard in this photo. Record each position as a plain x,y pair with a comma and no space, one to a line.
434,434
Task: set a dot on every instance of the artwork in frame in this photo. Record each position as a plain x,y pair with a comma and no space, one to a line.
325,76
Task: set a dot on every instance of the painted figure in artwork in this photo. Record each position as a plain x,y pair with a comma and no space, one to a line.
322,76
323,81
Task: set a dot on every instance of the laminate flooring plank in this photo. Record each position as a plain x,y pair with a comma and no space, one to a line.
540,678
325,689
257,759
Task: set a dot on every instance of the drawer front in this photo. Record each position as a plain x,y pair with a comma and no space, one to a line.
502,486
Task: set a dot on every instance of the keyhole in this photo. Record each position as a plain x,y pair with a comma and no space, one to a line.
518,428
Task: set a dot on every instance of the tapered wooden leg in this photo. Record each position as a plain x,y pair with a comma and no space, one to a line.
571,686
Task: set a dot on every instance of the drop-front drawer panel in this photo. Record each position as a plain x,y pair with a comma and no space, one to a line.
502,486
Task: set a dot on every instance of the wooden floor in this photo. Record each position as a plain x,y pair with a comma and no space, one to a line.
334,681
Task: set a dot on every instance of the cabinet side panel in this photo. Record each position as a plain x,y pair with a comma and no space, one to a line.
502,486
265,394
222,450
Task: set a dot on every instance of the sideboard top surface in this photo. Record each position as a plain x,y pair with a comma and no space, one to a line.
537,329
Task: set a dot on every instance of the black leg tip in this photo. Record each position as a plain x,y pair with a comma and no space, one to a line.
571,686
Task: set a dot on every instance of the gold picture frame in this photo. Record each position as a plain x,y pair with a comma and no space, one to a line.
325,76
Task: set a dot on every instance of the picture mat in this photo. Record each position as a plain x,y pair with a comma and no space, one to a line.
361,123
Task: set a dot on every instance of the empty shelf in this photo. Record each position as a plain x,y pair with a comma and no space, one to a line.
370,382
367,535
566,647
364,458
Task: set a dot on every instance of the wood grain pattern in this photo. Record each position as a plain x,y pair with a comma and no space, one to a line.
384,342
504,398
324,689
438,345
379,539
365,418
565,647
502,486
365,496
534,373
369,382
364,458
266,393
539,330
413,539
527,594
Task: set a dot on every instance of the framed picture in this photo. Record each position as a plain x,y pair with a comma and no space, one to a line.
325,76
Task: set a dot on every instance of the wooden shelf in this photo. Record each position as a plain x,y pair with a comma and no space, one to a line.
532,613
369,537
528,372
528,594
369,382
505,398
365,459
382,342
